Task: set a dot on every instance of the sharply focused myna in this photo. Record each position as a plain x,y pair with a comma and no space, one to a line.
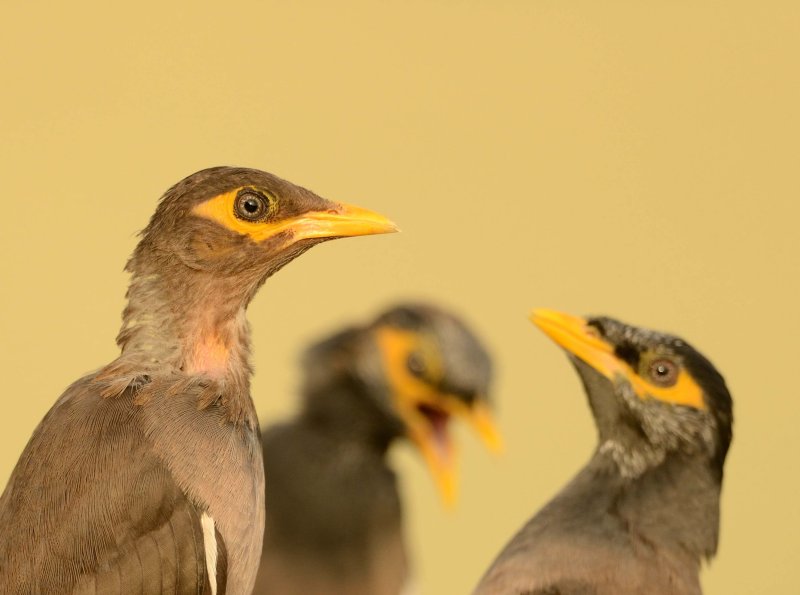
146,476
644,512
334,522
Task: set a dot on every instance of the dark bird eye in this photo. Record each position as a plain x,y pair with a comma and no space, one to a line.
663,372
251,205
416,365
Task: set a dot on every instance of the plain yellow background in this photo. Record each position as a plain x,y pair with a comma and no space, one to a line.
638,159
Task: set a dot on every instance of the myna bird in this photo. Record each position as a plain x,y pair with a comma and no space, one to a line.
643,514
146,476
334,519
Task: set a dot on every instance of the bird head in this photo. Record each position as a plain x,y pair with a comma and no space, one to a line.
416,367
651,393
246,224
435,369
214,238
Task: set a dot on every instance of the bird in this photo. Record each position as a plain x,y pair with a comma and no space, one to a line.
146,475
334,522
643,514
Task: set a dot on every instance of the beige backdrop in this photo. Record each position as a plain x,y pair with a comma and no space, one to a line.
638,159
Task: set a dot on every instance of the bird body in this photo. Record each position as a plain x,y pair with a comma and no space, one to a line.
113,498
146,476
334,523
643,514
603,534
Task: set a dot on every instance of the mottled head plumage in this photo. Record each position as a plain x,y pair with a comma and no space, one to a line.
463,367
466,368
651,393
408,371
669,425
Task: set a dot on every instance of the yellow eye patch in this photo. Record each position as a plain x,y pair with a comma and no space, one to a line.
396,346
222,209
685,391
576,336
332,220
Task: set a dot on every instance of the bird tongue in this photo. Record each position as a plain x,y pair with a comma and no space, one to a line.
434,442
438,420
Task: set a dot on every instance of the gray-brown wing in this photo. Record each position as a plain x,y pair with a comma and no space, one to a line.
580,565
169,559
90,509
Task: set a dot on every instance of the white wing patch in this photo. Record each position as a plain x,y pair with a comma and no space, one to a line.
210,544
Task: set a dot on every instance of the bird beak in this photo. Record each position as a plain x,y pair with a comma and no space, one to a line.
480,418
342,220
426,412
583,341
574,334
427,421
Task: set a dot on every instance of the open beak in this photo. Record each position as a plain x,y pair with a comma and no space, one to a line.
426,412
481,420
574,334
427,422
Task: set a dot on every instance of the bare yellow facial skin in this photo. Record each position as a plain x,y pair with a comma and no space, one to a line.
574,334
409,392
341,220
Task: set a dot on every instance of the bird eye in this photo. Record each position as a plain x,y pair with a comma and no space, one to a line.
663,372
251,205
416,365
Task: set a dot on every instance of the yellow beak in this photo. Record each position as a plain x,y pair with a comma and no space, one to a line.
426,413
437,448
580,339
341,221
577,337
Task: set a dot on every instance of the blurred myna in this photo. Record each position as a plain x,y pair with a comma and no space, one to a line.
146,476
644,512
334,521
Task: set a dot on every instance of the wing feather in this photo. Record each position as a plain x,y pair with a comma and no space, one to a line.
90,509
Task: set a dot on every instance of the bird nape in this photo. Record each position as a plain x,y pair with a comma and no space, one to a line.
334,519
643,514
146,476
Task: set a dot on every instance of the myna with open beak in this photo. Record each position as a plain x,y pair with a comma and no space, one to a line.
643,514
146,475
334,520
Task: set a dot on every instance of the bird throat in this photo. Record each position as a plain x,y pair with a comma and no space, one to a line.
189,331
209,354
